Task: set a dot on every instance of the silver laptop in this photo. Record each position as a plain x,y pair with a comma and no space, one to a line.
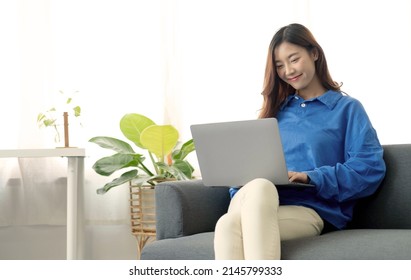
234,153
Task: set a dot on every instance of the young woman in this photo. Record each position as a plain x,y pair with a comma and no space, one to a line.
328,141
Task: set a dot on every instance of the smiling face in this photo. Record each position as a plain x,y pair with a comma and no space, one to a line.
296,66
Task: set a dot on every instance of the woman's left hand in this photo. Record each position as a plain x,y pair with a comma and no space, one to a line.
298,177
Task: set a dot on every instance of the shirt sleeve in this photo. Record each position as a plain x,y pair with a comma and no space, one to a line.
233,191
363,169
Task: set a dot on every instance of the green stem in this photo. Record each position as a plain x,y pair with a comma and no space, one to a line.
144,168
154,163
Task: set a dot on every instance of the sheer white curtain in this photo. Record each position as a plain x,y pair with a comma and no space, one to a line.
176,61
113,53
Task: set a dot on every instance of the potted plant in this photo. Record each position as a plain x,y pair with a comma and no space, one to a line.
53,116
168,161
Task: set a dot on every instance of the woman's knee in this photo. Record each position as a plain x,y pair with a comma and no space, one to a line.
260,182
227,223
263,189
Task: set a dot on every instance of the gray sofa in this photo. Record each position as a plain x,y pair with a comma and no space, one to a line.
188,211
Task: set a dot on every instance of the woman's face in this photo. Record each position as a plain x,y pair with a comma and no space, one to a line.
296,66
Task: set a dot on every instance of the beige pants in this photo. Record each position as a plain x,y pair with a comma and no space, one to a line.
255,224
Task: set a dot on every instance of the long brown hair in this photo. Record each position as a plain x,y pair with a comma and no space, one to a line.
275,90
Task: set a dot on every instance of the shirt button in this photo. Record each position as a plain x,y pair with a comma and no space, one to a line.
303,105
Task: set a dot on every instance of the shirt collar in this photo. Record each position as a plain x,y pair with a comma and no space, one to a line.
329,99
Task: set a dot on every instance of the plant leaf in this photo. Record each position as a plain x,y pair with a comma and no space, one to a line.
132,125
77,111
141,180
113,144
40,117
185,167
124,178
49,122
181,170
108,165
160,139
184,151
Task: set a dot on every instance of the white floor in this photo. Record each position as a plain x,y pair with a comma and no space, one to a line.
103,242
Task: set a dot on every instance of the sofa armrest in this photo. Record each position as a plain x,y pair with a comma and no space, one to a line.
188,207
389,207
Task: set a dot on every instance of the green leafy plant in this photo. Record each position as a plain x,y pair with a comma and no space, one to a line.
53,116
168,161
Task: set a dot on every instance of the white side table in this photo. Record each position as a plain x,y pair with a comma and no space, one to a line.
75,184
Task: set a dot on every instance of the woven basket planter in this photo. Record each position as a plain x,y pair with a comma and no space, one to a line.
143,214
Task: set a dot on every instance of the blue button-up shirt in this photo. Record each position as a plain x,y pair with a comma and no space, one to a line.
330,138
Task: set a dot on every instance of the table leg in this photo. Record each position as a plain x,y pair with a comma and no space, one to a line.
75,221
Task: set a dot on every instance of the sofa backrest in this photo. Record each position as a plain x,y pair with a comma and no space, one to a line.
390,206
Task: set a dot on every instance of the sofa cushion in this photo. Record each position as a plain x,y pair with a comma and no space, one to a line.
356,244
193,247
359,244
